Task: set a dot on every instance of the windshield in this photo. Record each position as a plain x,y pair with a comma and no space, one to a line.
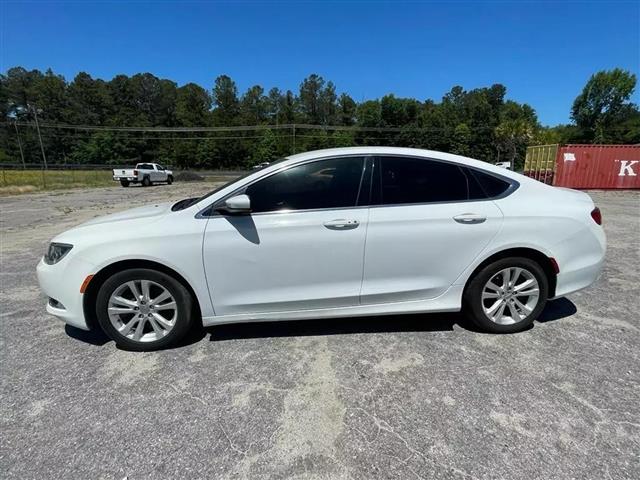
251,172
182,204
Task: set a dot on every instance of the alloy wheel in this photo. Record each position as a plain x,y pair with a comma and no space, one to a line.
142,310
510,296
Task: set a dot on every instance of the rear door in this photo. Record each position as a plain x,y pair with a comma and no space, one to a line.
428,221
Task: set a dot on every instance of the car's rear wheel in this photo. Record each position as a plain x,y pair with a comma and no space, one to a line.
507,295
143,309
146,182
124,183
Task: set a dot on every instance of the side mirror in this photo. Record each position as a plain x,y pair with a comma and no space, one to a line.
238,205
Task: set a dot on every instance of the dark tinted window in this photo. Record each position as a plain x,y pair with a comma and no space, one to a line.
145,166
476,192
322,184
491,186
414,180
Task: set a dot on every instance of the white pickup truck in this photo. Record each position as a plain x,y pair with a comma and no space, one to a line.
144,173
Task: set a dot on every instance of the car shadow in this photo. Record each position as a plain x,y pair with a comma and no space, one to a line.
557,310
92,337
337,326
419,322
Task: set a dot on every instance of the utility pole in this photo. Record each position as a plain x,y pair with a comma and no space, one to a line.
24,166
294,138
44,157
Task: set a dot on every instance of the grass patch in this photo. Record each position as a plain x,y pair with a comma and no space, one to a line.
14,182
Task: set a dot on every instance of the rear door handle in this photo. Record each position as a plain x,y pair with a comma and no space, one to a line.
341,224
469,218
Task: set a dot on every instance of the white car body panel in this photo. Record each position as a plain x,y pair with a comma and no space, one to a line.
402,239
288,265
276,246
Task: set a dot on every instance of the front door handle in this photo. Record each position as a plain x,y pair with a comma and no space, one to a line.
469,218
341,224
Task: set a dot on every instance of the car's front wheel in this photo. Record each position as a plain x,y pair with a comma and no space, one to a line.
169,180
143,309
507,295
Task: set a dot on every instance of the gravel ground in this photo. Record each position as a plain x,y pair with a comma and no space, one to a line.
419,396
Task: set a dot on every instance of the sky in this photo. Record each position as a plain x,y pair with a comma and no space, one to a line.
543,52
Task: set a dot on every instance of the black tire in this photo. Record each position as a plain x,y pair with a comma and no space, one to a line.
169,180
473,305
181,295
146,182
124,183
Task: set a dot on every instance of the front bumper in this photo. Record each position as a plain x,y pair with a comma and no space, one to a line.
61,282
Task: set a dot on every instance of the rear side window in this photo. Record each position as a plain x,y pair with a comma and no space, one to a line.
414,180
145,166
333,183
491,186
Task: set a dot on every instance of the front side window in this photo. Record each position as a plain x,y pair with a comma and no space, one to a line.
413,180
333,183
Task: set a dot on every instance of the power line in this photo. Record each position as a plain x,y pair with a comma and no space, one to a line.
139,138
290,126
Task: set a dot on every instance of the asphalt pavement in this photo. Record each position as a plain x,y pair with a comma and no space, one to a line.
398,397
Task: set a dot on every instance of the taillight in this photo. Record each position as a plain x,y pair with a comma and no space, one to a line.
596,215
135,172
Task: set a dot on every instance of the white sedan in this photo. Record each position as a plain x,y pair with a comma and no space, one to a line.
333,233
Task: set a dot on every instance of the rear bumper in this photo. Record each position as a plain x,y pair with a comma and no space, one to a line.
574,280
584,260
61,282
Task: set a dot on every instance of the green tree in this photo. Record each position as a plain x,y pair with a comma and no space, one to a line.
253,106
90,102
225,99
604,103
193,106
266,149
462,140
328,105
347,108
311,91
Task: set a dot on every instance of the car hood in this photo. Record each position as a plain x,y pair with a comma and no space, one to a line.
145,213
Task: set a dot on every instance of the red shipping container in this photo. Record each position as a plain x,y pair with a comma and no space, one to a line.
598,166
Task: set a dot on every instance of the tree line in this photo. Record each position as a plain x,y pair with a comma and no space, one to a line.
480,123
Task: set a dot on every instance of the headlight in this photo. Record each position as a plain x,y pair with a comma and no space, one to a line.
56,252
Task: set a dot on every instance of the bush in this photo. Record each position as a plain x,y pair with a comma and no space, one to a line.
187,176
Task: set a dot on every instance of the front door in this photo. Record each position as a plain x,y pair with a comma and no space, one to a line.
301,248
